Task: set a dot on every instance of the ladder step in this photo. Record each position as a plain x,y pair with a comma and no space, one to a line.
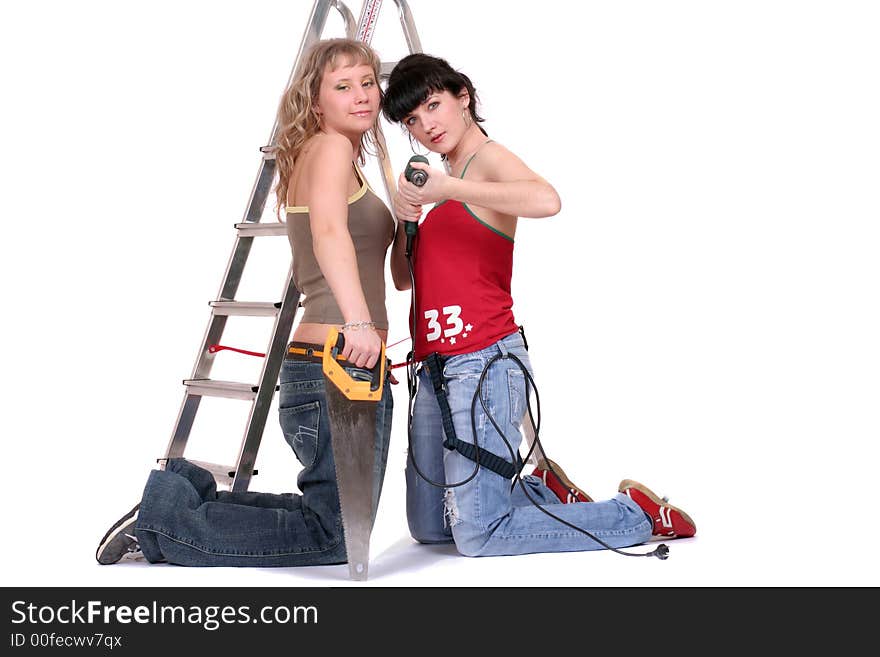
246,308
212,388
259,229
223,474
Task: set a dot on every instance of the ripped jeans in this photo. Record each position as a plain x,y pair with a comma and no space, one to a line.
183,519
484,516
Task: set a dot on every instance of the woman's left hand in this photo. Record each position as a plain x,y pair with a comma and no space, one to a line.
434,189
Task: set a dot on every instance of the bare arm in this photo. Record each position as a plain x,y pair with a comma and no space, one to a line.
399,265
512,188
327,192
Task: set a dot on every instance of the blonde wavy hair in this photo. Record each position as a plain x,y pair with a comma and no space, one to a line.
297,121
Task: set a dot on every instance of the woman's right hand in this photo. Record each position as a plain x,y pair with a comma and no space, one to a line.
362,347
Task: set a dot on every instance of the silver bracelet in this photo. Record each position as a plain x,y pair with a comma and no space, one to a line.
357,325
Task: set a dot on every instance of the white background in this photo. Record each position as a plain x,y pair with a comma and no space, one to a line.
702,314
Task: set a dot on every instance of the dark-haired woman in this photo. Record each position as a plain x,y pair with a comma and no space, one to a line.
462,263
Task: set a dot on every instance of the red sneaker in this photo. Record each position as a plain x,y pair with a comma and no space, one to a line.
554,479
669,521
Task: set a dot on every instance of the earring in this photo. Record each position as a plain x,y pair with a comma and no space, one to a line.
466,117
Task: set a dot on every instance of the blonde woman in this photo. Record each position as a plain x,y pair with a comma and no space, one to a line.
339,233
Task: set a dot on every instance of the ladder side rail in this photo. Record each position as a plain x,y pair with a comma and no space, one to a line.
185,418
205,359
201,370
409,27
256,421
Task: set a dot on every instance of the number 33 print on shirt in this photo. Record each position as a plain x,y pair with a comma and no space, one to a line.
452,319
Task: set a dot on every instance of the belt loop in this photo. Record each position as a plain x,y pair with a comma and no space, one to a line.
503,348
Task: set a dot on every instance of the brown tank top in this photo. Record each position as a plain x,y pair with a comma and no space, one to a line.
372,231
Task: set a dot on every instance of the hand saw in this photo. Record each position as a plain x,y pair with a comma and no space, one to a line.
352,406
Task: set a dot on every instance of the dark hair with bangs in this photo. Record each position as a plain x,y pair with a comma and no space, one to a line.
417,76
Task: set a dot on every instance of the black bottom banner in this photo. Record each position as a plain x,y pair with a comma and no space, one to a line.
267,620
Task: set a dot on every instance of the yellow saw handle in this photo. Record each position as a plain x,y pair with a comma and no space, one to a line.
357,390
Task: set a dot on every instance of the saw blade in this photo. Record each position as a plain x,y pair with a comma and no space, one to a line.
352,436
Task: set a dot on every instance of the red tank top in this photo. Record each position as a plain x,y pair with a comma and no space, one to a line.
462,270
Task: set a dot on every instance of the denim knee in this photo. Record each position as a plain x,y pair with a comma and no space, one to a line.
427,535
470,541
425,510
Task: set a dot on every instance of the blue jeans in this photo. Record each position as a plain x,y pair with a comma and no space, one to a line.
183,519
484,517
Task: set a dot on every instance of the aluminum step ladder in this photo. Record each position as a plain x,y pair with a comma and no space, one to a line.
261,393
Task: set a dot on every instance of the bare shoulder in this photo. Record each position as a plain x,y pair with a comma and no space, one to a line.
332,148
497,163
327,161
323,167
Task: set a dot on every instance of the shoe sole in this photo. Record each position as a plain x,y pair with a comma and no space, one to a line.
560,474
124,524
647,492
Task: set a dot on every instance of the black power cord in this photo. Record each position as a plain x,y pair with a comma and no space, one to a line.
661,551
